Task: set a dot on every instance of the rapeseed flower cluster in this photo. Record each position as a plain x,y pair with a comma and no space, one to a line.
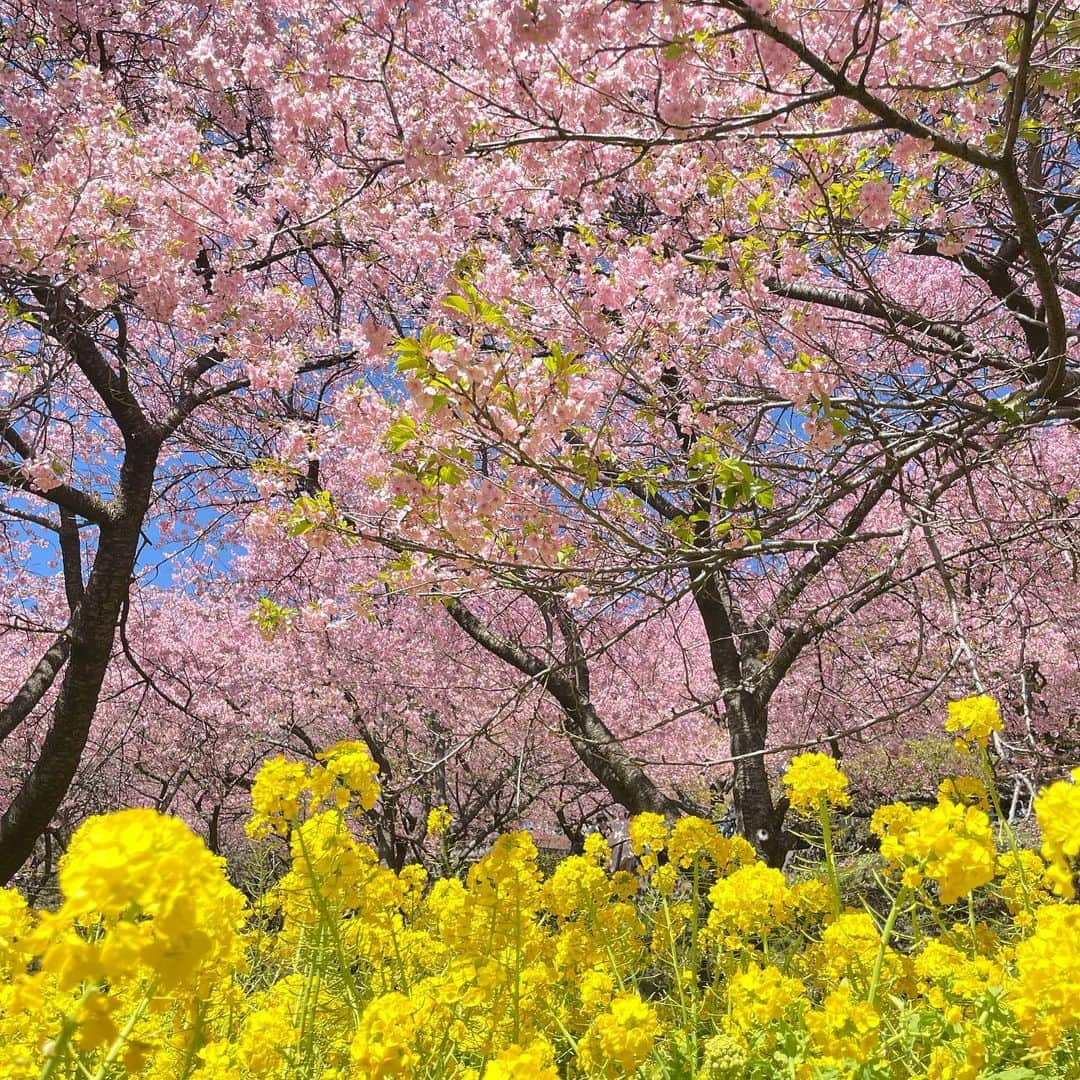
439,821
949,844
813,781
703,963
974,718
1057,809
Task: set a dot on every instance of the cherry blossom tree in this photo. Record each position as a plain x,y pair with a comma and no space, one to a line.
148,245
757,286
568,314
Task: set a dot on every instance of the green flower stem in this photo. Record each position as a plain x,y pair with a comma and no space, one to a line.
329,924
517,969
673,951
695,943
1004,826
122,1037
196,1042
886,935
68,1027
830,858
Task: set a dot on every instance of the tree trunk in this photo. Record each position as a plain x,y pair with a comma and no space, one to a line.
593,741
759,820
736,654
603,755
92,633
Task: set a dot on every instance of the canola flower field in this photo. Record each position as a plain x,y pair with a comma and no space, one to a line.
705,963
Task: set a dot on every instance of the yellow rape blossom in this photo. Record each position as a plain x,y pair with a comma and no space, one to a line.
814,781
383,1045
533,1062
576,885
694,838
351,773
759,995
849,949
597,849
949,974
843,1030
1046,996
964,790
14,925
508,875
975,718
948,843
438,822
152,966
159,899
962,1059
648,837
284,790
812,897
621,1038
665,879
751,901
277,796
1057,809
1024,882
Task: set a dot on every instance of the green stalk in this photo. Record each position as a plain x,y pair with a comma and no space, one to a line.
886,934
122,1037
695,947
674,952
68,1027
830,857
196,1042
328,924
1004,826
517,969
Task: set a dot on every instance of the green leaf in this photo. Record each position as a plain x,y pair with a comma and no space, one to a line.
432,338
400,433
458,304
299,526
409,355
713,248
270,616
1010,410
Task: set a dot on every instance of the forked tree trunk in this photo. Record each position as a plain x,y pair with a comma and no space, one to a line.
605,757
736,655
92,634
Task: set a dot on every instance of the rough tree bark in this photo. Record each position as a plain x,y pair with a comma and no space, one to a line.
597,747
93,631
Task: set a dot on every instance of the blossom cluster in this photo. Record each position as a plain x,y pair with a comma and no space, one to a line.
703,962
975,718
